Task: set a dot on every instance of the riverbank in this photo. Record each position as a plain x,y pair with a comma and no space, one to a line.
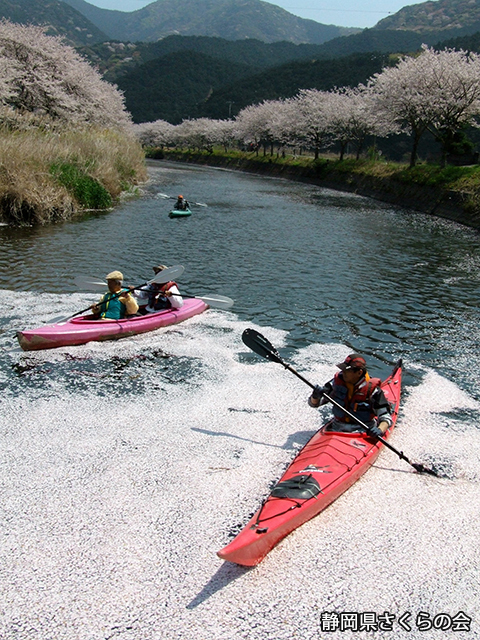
54,174
452,193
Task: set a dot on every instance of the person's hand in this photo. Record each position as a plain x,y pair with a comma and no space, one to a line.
375,431
168,293
318,391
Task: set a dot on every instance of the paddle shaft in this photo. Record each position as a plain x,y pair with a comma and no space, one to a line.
350,415
213,301
200,204
117,295
219,302
162,277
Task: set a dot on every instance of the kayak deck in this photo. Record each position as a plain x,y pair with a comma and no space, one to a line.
328,465
180,213
85,329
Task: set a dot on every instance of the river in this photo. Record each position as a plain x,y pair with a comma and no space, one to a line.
125,466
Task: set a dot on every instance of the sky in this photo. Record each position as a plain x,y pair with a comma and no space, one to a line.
348,13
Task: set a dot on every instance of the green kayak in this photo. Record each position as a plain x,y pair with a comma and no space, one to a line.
180,213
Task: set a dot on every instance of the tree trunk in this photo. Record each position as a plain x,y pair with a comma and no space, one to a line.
413,155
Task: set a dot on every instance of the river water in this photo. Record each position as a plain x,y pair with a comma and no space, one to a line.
125,466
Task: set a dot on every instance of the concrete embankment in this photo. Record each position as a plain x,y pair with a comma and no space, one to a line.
462,206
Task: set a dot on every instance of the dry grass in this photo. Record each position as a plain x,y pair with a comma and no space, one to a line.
31,194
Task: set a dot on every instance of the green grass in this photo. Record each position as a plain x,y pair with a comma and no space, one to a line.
87,191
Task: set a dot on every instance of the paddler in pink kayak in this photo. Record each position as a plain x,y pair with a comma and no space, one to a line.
164,295
117,303
361,395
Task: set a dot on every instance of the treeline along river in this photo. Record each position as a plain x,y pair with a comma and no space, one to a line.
124,466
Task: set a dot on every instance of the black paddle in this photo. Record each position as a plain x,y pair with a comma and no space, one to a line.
161,277
258,343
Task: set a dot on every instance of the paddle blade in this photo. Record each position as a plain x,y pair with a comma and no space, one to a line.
217,302
258,343
90,284
170,273
418,466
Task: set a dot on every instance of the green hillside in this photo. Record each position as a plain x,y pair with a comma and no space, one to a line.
190,85
467,43
117,58
284,81
62,19
176,86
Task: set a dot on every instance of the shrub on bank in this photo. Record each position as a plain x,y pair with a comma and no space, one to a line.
66,142
51,175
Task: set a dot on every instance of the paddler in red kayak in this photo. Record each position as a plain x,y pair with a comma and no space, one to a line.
117,303
361,395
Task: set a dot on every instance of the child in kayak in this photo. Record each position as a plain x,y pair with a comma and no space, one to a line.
117,303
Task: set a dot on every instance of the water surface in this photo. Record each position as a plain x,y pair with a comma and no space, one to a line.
124,466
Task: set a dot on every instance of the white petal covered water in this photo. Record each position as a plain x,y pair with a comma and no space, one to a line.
125,466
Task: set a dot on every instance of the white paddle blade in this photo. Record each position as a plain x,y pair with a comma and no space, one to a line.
90,284
170,273
217,302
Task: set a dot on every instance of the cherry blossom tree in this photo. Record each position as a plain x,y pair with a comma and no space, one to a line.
42,75
454,84
437,91
312,123
352,118
284,123
253,125
197,134
154,134
223,133
399,96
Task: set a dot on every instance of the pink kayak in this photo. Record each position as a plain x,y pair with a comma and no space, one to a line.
84,329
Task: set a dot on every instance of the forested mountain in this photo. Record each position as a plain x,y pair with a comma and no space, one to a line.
175,86
191,85
229,19
186,77
466,43
117,58
461,16
62,19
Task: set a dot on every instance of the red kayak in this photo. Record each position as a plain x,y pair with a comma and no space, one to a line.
326,467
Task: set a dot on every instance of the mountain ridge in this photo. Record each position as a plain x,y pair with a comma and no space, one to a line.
59,18
438,15
229,19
